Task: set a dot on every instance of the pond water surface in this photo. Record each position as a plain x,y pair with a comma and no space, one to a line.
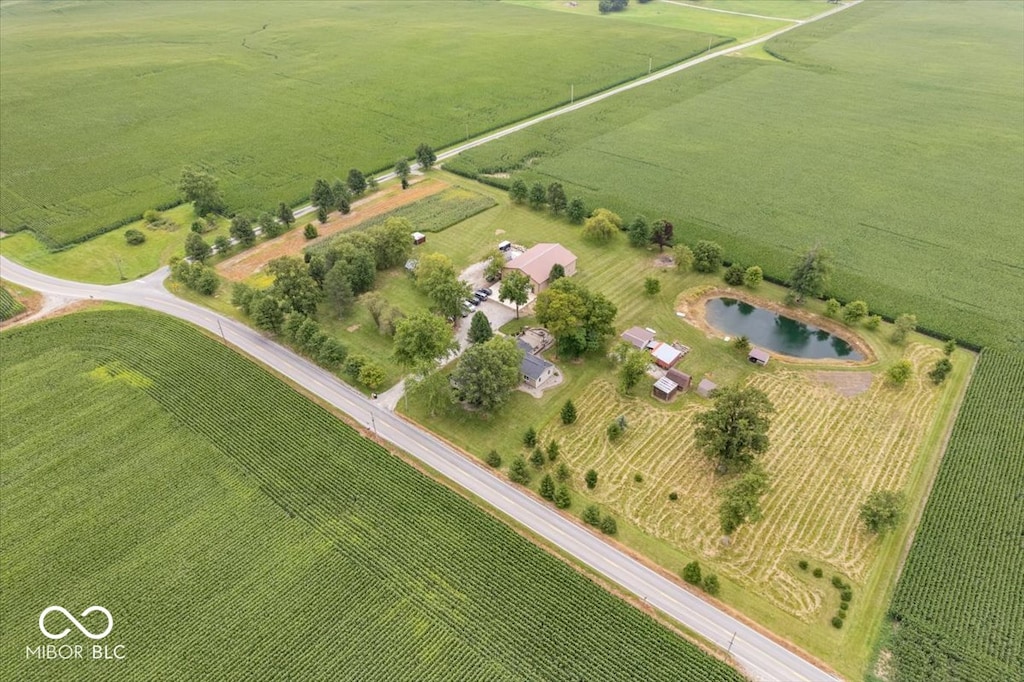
775,332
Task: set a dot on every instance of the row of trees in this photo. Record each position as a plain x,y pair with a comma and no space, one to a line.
553,197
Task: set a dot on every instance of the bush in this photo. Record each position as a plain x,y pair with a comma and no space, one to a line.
691,573
591,478
197,227
753,276
837,623
591,515
789,299
711,584
151,216
837,582
905,324
873,322
134,237
553,451
652,285
942,368
831,307
310,231
846,595
354,364
735,275
899,373
843,606
802,564
707,256
547,488
614,431
673,496
854,312
530,437
493,459
608,526
842,614
563,472
638,478
818,573
742,344
537,458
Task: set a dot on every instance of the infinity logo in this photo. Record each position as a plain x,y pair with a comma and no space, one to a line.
64,633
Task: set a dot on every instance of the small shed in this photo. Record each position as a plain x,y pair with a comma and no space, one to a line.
681,379
758,356
418,238
665,389
535,370
666,356
705,387
638,337
410,265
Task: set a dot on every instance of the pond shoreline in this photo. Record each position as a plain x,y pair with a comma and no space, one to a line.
693,305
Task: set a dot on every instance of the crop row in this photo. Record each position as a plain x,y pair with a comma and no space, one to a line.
395,576
960,601
9,306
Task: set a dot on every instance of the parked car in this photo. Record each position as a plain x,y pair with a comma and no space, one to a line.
471,305
479,298
485,292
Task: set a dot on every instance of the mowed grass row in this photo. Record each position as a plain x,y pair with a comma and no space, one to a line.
892,135
959,605
271,96
237,531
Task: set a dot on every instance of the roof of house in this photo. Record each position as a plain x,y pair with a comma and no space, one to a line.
706,385
638,336
666,353
537,261
665,385
680,378
759,355
533,366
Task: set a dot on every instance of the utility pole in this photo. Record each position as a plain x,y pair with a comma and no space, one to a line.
117,261
572,93
221,331
650,63
731,641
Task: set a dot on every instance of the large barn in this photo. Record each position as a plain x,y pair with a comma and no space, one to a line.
537,261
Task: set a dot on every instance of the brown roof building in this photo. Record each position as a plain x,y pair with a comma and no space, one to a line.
537,261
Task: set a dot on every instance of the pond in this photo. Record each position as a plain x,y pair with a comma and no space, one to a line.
775,332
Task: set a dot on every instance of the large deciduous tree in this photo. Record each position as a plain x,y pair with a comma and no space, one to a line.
518,191
241,229
356,181
741,500
392,242
639,232
882,511
425,156
735,428
422,339
632,367
811,273
515,287
294,285
580,320
488,372
576,212
201,189
707,256
433,390
338,291
402,170
353,262
557,200
663,234
196,247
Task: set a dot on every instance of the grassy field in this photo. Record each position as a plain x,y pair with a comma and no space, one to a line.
892,135
829,452
108,258
271,96
235,530
959,606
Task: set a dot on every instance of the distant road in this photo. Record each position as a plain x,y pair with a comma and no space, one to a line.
759,656
601,96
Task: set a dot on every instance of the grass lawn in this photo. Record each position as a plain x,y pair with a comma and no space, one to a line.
232,504
860,142
108,258
270,96
830,450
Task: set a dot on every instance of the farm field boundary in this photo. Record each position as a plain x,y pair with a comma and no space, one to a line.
958,607
231,75
398,561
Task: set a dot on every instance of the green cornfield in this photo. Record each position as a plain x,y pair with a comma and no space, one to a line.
9,306
958,610
235,530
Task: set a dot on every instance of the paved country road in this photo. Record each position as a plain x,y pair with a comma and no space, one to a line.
757,655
